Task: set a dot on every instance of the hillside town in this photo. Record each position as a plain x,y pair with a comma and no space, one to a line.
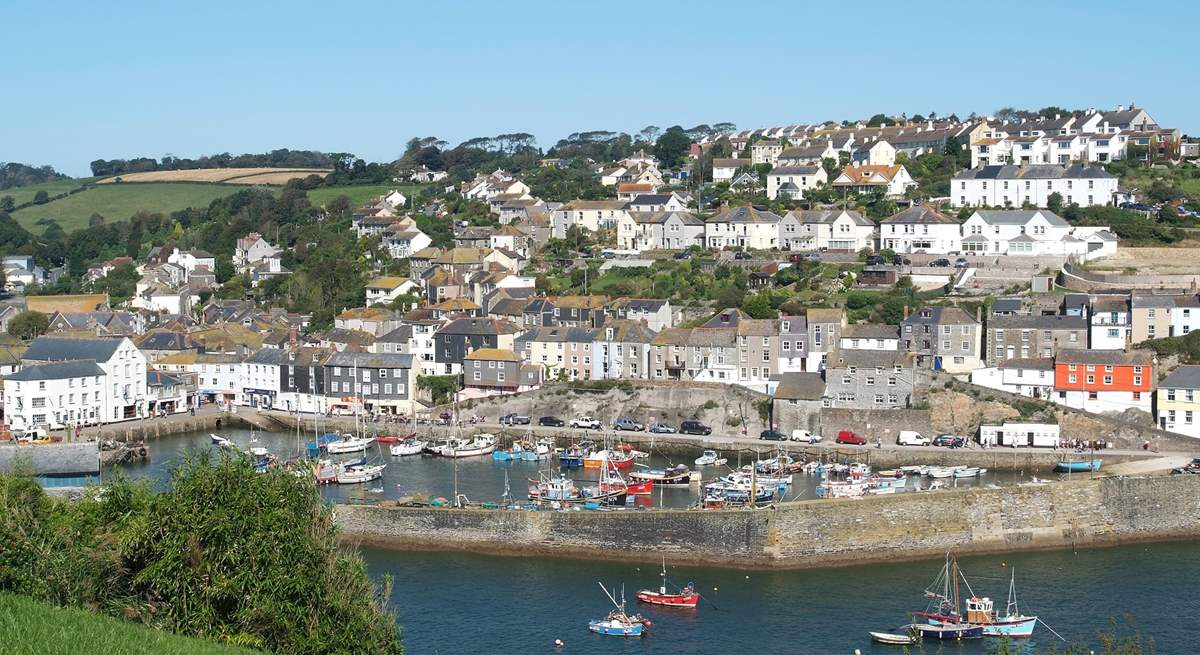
836,307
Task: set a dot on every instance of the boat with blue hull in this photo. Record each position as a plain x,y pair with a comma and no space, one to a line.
619,623
942,615
1083,466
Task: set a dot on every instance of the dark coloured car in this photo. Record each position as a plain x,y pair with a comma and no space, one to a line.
741,254
772,435
949,440
683,255
694,427
848,437
961,262
551,421
874,260
796,257
514,419
940,263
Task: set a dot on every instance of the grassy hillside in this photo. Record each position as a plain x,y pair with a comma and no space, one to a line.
37,629
23,194
359,194
117,202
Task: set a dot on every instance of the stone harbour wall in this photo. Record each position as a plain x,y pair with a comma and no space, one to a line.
1078,513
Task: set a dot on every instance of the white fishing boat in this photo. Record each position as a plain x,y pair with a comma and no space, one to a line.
410,446
842,489
481,444
918,469
969,472
763,478
360,473
220,441
711,458
942,472
349,444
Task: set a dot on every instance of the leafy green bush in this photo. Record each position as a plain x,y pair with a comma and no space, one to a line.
226,553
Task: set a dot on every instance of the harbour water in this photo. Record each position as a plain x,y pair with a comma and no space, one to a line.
461,603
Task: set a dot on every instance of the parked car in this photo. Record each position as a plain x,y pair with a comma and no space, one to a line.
551,421
903,260
694,427
911,438
848,437
585,422
683,254
742,254
629,424
949,440
874,260
805,436
940,263
961,262
514,419
662,428
796,257
772,435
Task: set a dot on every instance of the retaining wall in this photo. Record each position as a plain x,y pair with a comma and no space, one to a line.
810,533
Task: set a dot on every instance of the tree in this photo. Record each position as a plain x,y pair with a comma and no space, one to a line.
759,306
672,146
8,204
41,197
1055,203
877,120
649,134
28,325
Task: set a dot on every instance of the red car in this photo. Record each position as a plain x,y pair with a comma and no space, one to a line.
848,437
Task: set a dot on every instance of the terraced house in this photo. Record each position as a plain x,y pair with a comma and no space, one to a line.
942,338
622,350
1177,401
742,227
563,353
838,230
1027,337
372,382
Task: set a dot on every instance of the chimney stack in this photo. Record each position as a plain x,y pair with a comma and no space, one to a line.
906,311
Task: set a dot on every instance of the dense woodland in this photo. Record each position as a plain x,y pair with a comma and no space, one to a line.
13,174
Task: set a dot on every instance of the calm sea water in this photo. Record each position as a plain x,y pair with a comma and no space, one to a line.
464,603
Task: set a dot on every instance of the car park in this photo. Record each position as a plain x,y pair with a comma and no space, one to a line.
849,438
662,428
694,427
772,435
627,424
551,421
585,422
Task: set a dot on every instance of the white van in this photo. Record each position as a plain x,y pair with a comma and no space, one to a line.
805,436
911,438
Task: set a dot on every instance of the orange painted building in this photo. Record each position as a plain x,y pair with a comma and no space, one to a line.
1104,380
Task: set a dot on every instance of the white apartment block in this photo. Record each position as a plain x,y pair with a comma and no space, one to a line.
1014,186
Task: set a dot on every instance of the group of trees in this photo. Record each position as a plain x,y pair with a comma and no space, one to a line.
281,158
13,174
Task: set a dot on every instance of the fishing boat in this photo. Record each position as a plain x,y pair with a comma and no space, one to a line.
325,471
389,439
677,476
481,444
606,457
220,441
540,452
612,480
686,596
561,489
892,639
262,458
410,446
942,472
1068,466
946,630
314,447
942,619
360,473
572,456
711,458
1011,624
918,469
969,472
618,623
843,488
513,453
774,478
886,484
348,444
733,493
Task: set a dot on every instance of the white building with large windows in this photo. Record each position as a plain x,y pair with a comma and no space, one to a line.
123,396
836,229
54,396
921,228
742,227
1016,186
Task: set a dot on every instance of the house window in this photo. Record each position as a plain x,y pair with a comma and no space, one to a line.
1091,379
478,376
1108,379
1137,380
1072,379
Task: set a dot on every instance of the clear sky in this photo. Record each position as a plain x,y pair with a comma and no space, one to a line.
107,80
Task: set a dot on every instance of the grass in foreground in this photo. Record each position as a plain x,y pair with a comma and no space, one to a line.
358,194
118,202
34,628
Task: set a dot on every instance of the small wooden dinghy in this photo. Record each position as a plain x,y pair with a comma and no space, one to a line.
893,639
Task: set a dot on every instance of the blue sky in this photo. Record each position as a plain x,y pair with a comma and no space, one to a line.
108,80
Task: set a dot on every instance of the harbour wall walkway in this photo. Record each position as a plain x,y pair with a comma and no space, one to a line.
1078,513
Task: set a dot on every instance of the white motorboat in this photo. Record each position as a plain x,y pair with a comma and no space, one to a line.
481,444
763,478
969,472
942,472
360,473
349,444
711,458
220,441
410,446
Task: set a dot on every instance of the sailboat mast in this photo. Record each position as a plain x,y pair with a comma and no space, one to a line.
956,599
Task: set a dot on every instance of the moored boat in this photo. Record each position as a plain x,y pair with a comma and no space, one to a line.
360,473
948,630
677,476
968,472
1069,466
892,639
686,596
220,441
572,456
481,444
618,623
348,444
711,458
410,446
608,457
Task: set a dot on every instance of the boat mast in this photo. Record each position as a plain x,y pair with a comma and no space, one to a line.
662,589
954,562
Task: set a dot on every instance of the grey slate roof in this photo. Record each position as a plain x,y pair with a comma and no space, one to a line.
369,360
1006,305
1028,322
1034,363
813,217
800,386
57,371
57,349
1184,377
1019,216
871,331
795,170
921,215
1034,172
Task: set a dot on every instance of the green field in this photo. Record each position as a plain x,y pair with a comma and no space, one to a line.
25,193
358,194
118,202
33,628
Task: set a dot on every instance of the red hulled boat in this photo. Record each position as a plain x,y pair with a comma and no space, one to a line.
686,597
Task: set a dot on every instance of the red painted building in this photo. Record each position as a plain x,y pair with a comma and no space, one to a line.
1104,380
